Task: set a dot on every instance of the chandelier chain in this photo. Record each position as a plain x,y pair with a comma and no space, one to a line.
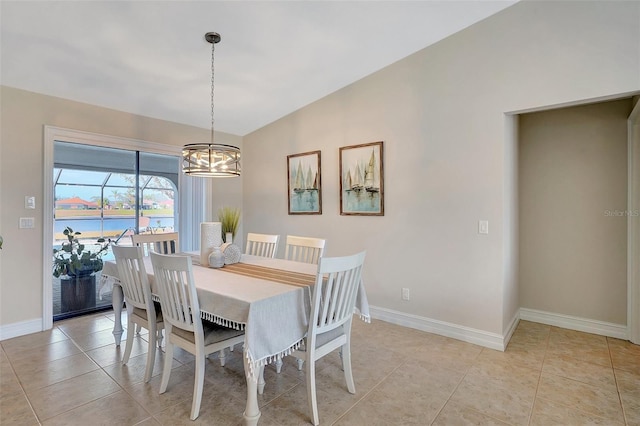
213,48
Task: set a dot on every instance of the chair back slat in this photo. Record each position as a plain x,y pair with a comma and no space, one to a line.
264,245
304,249
177,291
166,243
133,276
335,292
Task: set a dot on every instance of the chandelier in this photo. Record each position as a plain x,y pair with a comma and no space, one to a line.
211,159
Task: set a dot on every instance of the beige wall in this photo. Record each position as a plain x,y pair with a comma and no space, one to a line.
24,115
573,180
441,114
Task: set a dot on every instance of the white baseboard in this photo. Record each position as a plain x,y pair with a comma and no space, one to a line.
16,329
575,323
442,328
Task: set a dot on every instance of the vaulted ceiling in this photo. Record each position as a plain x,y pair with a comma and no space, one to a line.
150,57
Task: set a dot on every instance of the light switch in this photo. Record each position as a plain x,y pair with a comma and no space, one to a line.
29,202
27,222
483,227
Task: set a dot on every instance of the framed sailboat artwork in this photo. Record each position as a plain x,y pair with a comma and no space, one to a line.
304,186
361,180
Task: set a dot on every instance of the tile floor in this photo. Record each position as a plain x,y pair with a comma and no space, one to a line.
71,375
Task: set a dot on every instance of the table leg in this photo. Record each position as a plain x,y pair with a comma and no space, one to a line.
252,411
117,302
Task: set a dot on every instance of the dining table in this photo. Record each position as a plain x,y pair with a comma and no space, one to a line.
268,298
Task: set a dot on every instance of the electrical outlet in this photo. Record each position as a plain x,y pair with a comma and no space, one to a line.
405,294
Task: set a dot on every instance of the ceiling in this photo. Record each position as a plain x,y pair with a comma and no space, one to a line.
150,57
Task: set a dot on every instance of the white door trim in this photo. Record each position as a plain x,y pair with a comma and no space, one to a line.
633,227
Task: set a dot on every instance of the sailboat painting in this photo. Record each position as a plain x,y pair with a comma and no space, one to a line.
361,180
304,192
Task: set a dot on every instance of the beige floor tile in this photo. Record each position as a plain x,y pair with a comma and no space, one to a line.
511,404
413,395
16,410
588,352
513,378
95,339
112,354
585,372
35,376
624,355
43,354
629,388
217,408
547,413
457,414
133,372
514,355
30,341
82,326
119,408
592,399
64,396
180,388
546,376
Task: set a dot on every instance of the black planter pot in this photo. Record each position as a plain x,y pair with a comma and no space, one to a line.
78,293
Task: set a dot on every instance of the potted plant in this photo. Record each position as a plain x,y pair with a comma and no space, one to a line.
76,268
229,218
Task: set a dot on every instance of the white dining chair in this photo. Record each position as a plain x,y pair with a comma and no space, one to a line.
166,243
265,245
304,249
183,325
141,310
332,307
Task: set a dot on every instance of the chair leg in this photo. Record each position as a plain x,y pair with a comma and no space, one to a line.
300,364
311,391
279,364
138,328
222,355
168,360
345,351
129,343
151,354
198,385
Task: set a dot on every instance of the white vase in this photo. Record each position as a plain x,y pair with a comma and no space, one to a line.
228,238
216,258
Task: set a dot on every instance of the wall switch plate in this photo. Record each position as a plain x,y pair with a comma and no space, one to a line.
483,227
29,202
27,223
405,294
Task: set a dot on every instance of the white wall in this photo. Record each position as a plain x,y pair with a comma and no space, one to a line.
440,113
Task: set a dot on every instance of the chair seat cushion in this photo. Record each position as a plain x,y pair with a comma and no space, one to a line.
213,333
142,313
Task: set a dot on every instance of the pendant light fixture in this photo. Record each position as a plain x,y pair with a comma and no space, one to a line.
211,159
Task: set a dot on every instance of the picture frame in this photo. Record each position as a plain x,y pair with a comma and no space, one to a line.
362,179
304,183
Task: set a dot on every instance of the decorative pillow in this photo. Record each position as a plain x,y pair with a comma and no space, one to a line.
231,252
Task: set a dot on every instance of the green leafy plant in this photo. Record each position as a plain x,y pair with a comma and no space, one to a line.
72,259
229,217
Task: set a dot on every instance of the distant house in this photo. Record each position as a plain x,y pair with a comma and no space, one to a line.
76,203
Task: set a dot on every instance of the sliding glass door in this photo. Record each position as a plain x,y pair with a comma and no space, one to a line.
106,193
